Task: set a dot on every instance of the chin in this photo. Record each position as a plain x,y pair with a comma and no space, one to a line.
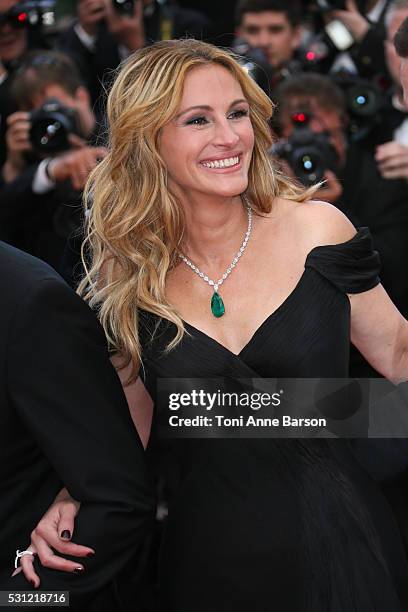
273,62
233,189
230,193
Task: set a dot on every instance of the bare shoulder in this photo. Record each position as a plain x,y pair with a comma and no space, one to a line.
306,225
319,223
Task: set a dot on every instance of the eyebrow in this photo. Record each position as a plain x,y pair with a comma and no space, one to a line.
206,107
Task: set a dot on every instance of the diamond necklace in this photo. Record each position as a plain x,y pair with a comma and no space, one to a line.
217,305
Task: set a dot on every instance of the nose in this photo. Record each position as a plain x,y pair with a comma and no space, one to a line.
264,40
225,134
316,126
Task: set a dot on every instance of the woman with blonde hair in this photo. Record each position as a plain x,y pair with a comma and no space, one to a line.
206,262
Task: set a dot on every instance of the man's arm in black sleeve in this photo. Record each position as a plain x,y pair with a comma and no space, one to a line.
71,400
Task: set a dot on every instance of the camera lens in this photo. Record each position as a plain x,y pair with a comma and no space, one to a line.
50,126
123,7
50,131
48,135
307,163
360,101
363,101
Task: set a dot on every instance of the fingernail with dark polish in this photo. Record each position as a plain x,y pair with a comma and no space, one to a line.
79,570
66,534
90,555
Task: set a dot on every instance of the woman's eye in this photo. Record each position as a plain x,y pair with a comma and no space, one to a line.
197,121
239,113
203,120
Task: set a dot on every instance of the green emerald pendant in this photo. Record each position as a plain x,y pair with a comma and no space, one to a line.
217,305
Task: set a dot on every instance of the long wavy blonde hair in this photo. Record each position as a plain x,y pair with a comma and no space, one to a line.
135,224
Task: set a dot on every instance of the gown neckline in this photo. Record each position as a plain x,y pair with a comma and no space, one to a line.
264,323
278,309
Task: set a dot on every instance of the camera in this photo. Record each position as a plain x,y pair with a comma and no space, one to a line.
365,101
30,14
124,7
332,35
50,126
326,6
307,153
255,64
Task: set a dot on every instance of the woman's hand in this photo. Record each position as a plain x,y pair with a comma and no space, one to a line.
53,533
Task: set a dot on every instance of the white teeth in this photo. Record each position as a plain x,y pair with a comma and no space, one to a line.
222,163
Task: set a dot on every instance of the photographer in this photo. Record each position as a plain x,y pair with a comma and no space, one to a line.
17,36
365,21
271,28
13,38
349,36
357,188
353,182
107,31
50,152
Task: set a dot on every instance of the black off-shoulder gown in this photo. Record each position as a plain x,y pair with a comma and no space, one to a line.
267,525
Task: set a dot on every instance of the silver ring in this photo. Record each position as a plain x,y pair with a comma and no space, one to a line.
21,554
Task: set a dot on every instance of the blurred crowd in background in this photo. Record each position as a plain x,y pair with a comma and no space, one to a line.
329,66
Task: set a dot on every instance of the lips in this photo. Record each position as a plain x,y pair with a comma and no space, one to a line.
220,157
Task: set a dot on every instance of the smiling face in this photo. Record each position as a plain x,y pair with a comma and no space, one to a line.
207,147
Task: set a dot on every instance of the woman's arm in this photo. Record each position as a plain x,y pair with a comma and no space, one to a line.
380,333
139,401
378,329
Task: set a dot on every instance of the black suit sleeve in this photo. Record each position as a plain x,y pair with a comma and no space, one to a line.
369,55
69,397
94,65
16,199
